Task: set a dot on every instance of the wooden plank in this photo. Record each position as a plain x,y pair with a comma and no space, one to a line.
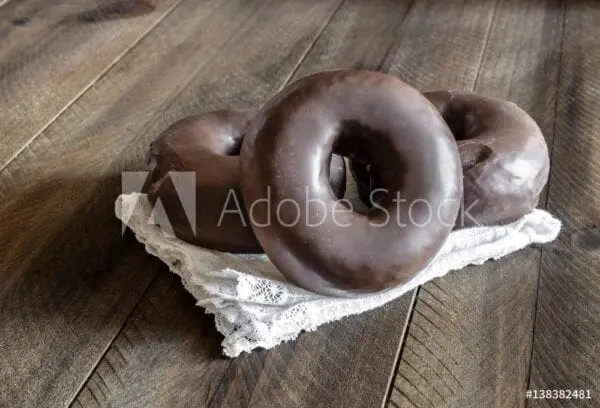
469,341
567,324
317,360
440,45
358,36
67,284
50,52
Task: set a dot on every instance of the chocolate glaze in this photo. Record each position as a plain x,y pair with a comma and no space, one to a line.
503,155
209,145
358,114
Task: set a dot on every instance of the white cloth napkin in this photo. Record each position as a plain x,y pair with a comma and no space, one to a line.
253,304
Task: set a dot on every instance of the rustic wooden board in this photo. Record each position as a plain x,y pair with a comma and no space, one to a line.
50,52
68,282
567,324
67,286
469,341
317,360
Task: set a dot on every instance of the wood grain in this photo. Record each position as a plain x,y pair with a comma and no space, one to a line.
440,44
88,318
166,340
469,341
67,285
282,376
358,36
567,325
50,52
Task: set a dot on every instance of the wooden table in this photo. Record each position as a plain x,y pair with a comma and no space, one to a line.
89,319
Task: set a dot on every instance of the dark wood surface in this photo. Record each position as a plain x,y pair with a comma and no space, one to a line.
89,319
566,350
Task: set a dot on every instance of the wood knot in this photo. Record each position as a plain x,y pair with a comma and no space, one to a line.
20,22
116,10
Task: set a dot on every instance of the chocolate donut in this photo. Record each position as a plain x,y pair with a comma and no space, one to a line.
503,154
209,145
318,242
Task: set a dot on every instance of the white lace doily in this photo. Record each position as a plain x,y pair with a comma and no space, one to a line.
254,306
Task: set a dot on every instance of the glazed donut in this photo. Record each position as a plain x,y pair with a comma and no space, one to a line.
209,146
318,242
503,155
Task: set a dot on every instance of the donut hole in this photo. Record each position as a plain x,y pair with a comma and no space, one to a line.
366,151
352,198
461,121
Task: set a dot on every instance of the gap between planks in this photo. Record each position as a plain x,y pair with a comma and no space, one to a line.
485,45
386,397
310,46
109,343
398,26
